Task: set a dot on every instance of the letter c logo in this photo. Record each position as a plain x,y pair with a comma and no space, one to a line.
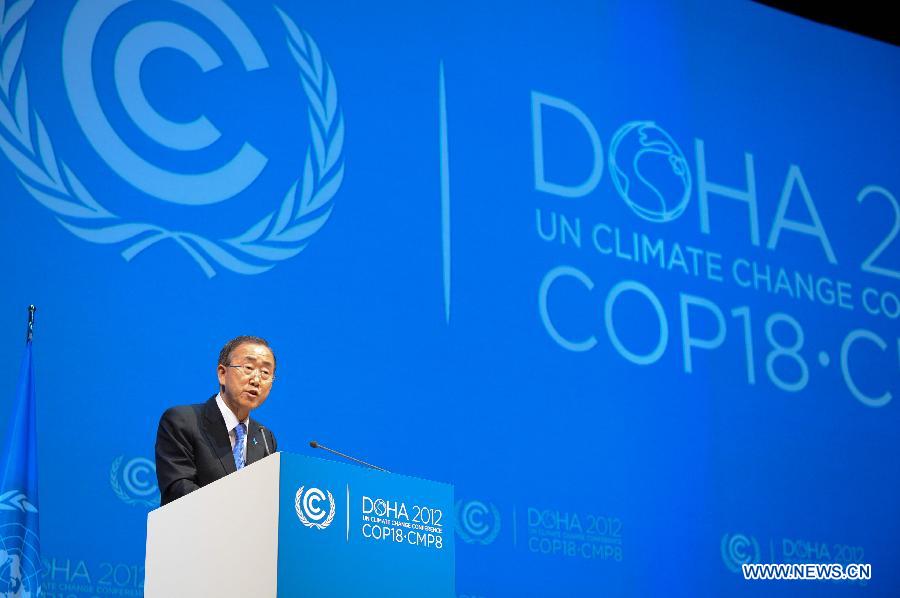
188,189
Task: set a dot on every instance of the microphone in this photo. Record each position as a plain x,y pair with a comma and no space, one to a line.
316,445
262,430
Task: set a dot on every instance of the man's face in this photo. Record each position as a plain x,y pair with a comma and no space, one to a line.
243,393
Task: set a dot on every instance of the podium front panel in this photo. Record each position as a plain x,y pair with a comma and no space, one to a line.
345,530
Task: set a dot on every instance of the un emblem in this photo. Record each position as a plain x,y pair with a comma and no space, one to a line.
310,514
477,522
135,482
649,171
160,155
20,563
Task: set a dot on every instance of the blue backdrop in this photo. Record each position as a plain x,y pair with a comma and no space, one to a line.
625,273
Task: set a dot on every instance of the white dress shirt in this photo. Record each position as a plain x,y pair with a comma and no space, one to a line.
231,422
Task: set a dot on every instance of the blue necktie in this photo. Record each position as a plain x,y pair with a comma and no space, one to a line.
239,446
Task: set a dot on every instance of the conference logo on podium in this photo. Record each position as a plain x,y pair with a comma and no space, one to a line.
135,482
739,549
307,504
148,84
477,522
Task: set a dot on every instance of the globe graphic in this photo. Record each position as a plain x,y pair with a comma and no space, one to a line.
649,171
20,565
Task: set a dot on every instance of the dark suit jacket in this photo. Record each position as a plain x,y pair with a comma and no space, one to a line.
193,448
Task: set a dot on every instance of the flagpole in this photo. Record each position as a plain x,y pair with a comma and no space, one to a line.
20,538
29,333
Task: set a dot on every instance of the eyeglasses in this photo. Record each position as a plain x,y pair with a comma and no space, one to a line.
249,370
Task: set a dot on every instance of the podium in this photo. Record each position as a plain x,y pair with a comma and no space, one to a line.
290,525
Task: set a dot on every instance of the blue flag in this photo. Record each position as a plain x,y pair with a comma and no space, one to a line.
20,546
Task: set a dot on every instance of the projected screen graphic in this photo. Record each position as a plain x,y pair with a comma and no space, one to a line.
627,274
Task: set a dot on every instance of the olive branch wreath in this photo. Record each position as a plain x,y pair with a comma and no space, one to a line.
117,488
13,500
280,235
298,506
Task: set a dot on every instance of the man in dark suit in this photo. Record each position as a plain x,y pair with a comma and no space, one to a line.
198,444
